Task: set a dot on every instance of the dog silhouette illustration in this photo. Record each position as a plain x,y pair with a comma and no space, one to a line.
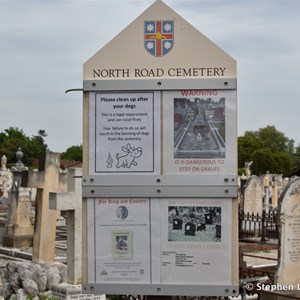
127,160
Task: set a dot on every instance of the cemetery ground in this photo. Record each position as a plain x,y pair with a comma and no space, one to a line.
59,194
258,259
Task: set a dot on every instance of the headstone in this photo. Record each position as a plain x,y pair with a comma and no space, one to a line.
266,183
276,189
71,202
190,229
46,181
19,227
218,231
289,262
253,196
177,224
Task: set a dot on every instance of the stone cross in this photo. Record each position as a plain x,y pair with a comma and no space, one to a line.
289,262
71,202
45,223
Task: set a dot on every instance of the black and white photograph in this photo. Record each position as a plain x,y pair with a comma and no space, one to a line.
121,244
199,127
122,212
194,223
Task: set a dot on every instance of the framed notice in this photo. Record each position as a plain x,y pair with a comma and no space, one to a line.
189,242
122,240
196,241
199,132
124,132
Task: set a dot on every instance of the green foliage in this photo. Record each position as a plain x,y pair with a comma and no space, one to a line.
33,147
263,161
13,138
73,153
46,297
283,163
270,150
113,297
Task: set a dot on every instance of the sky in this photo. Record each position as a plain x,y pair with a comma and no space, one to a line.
44,44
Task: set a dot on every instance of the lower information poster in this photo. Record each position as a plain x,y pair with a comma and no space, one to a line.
196,241
122,232
162,241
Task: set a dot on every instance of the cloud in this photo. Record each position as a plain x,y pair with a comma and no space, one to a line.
44,45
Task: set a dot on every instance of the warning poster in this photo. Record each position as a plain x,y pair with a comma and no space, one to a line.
199,132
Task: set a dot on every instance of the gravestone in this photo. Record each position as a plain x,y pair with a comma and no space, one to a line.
71,202
276,189
253,196
19,227
289,262
267,181
49,180
190,229
177,224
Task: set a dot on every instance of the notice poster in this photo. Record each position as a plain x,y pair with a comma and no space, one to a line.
199,132
122,240
162,241
124,132
196,241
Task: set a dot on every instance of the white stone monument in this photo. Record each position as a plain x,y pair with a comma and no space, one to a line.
253,196
289,263
49,180
71,201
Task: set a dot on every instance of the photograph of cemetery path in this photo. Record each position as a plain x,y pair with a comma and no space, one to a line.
199,128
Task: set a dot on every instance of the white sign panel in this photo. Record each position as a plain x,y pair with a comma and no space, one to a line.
122,246
189,242
195,241
124,132
199,132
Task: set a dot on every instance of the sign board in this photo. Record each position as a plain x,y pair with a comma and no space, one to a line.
160,151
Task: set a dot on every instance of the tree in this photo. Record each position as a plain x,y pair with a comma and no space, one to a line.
263,161
73,153
275,140
246,146
269,149
13,138
283,163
